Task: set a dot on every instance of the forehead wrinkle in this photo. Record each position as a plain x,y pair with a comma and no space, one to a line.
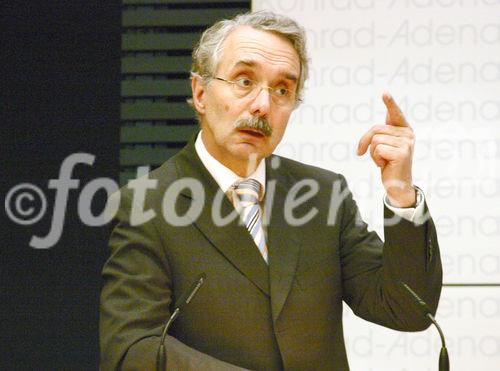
257,48
273,57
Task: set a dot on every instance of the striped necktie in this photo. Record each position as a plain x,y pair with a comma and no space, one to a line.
248,195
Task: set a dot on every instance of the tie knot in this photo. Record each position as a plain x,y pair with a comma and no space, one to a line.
248,190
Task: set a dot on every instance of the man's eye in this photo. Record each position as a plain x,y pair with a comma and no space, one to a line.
281,91
244,82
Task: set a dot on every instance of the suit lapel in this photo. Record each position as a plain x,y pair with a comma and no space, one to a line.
232,239
283,241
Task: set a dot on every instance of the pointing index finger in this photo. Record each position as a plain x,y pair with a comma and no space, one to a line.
394,114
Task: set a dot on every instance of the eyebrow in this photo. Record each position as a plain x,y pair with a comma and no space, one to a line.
250,63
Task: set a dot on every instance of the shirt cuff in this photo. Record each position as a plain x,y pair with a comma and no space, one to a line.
412,214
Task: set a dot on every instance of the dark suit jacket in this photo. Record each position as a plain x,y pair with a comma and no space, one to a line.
285,315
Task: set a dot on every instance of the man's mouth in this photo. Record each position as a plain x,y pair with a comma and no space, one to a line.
253,132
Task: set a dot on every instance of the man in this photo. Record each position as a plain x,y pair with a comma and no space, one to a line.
273,293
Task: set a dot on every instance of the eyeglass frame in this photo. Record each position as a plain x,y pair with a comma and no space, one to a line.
294,102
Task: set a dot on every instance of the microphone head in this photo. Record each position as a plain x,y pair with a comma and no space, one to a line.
422,305
189,294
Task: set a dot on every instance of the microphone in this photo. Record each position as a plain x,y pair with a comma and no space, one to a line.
161,353
444,362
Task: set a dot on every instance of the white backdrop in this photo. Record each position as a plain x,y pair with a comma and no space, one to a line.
441,61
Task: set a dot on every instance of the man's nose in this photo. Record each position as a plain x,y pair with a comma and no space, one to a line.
261,103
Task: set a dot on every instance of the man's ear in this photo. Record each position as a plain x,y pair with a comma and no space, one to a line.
198,89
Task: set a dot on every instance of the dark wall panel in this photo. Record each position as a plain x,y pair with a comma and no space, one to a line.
60,72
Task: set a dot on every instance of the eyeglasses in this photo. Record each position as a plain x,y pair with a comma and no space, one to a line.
244,87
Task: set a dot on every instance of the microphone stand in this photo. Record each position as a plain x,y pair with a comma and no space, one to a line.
444,361
161,354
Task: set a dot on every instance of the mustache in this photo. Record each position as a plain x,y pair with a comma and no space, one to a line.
255,123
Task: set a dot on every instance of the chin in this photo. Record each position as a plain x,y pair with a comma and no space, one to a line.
249,153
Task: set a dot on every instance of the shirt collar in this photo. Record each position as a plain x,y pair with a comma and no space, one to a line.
225,177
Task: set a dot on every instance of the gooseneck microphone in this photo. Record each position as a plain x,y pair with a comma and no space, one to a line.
161,354
444,362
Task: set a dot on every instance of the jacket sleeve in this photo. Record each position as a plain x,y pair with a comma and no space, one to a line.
373,271
136,300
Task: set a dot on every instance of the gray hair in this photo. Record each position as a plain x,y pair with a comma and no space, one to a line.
206,54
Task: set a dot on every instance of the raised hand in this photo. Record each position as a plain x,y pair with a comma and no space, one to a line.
391,148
